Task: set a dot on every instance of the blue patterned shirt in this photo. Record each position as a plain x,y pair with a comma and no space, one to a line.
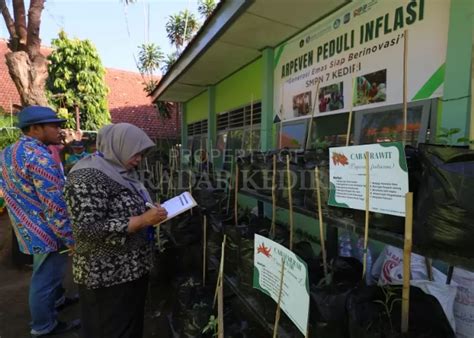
33,186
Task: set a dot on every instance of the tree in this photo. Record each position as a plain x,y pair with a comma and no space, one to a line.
180,28
149,58
28,68
169,61
77,79
206,7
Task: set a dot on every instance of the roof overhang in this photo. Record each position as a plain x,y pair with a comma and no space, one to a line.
233,36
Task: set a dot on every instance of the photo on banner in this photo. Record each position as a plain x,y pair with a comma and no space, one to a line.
371,88
331,97
302,104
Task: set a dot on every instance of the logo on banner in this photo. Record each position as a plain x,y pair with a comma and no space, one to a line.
347,17
264,250
339,159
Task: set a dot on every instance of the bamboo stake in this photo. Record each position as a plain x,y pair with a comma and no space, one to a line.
290,200
158,239
405,94
146,164
349,123
251,123
367,211
273,230
229,191
407,261
236,199
277,314
204,251
281,134
281,118
220,312
161,178
221,271
321,224
78,118
190,185
308,137
429,268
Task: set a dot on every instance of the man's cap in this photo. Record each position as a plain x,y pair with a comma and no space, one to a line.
37,115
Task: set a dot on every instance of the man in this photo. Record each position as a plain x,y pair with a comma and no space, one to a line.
78,153
33,183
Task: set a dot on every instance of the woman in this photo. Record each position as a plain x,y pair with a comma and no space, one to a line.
113,255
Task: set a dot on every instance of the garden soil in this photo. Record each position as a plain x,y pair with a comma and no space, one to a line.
14,283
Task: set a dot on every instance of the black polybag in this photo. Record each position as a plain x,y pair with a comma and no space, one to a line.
445,208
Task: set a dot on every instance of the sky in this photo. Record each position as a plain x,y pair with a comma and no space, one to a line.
104,22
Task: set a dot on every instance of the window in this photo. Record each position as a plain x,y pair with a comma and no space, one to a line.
329,131
293,134
386,124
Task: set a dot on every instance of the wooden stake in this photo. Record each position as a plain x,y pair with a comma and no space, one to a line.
229,191
407,261
146,164
367,211
251,123
204,251
277,314
308,137
78,118
190,185
321,224
220,275
220,312
405,94
429,268
281,134
290,200
161,178
273,229
236,195
349,122
158,239
280,114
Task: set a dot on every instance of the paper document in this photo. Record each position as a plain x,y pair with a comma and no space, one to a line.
179,204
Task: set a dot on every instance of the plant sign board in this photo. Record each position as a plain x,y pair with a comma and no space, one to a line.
268,257
388,175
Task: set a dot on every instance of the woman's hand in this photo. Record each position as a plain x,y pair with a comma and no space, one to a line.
150,217
154,215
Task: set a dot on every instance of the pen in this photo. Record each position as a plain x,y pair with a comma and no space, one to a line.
149,205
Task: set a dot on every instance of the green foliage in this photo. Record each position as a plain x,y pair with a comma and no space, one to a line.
176,26
447,137
77,78
388,302
169,61
8,133
211,326
149,58
206,7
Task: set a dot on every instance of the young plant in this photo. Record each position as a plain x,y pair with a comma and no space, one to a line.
447,137
388,302
211,326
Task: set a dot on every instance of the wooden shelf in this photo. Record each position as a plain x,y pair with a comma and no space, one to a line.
376,234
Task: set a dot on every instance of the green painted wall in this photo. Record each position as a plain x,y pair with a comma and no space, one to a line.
457,84
237,89
197,108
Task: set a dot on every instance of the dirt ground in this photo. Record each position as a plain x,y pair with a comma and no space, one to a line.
14,283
